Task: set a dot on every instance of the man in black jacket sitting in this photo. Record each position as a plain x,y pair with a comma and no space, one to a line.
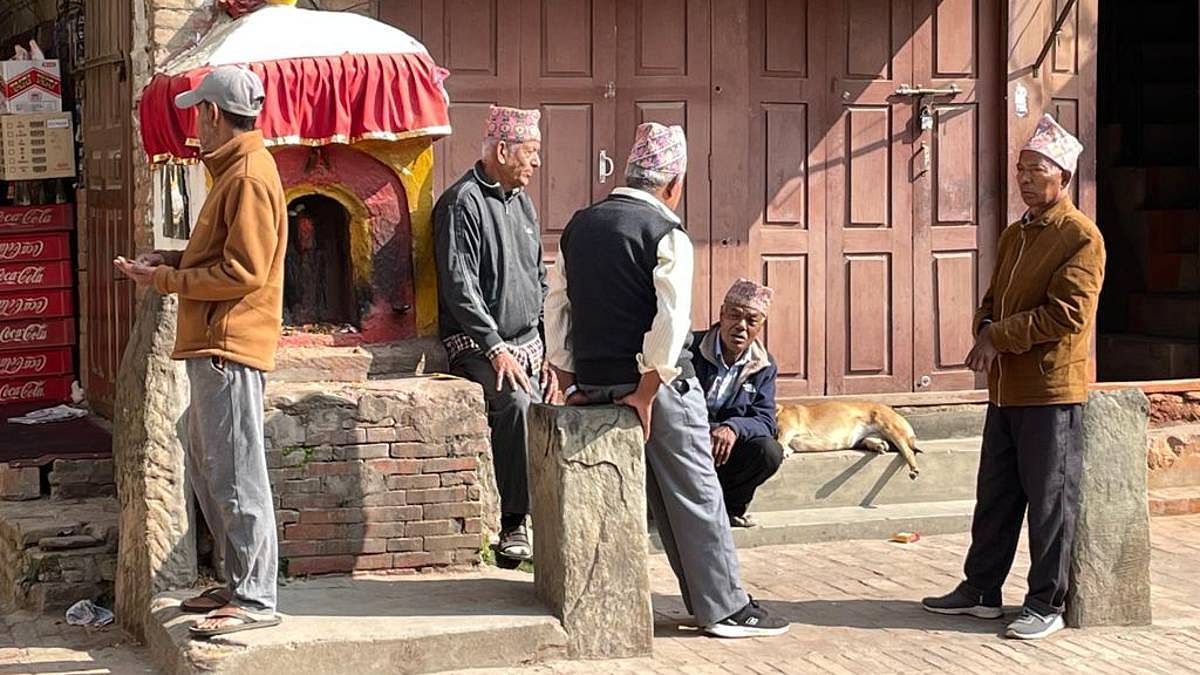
738,378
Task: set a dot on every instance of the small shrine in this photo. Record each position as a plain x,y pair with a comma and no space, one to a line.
352,109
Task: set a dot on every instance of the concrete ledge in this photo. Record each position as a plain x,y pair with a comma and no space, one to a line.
410,624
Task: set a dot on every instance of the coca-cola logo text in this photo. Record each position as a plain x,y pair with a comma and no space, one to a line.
12,250
23,391
28,217
34,332
12,365
20,306
30,275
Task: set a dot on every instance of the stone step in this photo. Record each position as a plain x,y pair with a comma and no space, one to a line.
947,421
811,526
863,478
1126,358
1170,315
416,624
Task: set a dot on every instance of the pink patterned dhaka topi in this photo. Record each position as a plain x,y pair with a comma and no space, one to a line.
659,148
513,125
746,293
1055,143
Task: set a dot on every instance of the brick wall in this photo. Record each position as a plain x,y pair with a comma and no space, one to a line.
386,475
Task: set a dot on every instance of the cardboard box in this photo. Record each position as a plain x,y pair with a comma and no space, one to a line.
36,363
20,276
36,146
48,218
36,334
30,87
34,247
34,390
36,305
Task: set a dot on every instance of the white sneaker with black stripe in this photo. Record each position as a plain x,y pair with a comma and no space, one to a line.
750,621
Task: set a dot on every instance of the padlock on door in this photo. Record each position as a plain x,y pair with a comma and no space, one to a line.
926,118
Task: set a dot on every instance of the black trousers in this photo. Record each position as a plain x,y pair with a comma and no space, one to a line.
1031,457
750,464
507,411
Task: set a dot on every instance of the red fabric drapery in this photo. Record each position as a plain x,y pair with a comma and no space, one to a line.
312,101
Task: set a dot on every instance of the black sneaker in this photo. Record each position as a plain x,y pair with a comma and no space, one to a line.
958,602
750,621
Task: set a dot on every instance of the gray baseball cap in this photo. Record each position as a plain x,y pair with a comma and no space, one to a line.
233,89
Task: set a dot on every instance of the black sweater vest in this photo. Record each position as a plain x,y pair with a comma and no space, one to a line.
610,250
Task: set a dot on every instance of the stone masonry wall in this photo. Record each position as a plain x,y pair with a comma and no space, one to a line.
384,475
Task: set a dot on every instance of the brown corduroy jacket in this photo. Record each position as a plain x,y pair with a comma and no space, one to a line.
230,277
1041,306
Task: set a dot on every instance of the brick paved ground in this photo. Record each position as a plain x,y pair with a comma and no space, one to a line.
853,607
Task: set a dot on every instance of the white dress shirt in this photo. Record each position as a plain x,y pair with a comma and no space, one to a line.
664,342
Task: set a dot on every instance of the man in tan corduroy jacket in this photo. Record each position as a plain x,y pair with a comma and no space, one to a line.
229,281
1033,339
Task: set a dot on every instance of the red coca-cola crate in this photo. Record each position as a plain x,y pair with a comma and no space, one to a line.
36,363
36,334
33,275
36,390
46,218
34,247
36,305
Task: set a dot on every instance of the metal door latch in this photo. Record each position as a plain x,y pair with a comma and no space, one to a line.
607,166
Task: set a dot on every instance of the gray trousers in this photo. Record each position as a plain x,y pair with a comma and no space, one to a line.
1031,460
686,500
507,412
227,463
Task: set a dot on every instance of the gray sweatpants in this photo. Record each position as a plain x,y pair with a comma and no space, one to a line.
686,499
228,466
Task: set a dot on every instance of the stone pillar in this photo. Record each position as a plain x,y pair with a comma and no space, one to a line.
1110,567
588,487
157,548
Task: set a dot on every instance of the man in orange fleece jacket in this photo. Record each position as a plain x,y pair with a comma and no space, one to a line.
230,285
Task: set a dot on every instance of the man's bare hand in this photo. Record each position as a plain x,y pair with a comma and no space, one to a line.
723,439
642,400
509,370
551,391
153,259
141,274
984,353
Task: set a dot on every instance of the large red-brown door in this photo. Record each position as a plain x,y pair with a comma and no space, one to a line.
869,209
957,190
663,75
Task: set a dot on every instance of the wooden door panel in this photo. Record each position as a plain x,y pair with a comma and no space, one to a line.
663,75
956,198
869,331
567,64
781,237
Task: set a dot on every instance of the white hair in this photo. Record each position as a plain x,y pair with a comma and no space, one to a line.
647,179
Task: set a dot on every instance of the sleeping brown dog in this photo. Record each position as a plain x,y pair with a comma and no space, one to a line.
845,425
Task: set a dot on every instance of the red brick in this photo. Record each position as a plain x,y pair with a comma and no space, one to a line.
333,468
404,545
391,514
443,465
311,501
292,549
459,478
301,486
416,450
472,525
395,466
426,528
385,499
413,559
285,517
407,435
419,482
452,542
452,510
325,531
371,451
466,557
373,562
441,557
280,475
474,492
325,564
343,515
436,495
384,530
